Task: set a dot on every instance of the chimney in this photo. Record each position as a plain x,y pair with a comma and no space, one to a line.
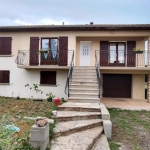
63,23
91,23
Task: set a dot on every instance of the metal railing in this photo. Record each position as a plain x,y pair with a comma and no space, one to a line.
123,58
50,57
98,76
69,77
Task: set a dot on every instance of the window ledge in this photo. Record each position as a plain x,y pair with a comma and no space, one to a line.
5,55
4,83
48,85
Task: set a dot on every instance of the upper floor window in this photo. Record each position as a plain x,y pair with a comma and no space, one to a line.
4,76
5,45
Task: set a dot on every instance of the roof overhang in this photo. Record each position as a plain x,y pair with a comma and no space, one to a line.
86,27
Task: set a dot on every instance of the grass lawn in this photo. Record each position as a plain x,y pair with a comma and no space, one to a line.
14,110
131,128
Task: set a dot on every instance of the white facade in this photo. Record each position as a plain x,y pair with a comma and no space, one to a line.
20,77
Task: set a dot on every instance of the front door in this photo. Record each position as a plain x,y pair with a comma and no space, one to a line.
85,53
117,54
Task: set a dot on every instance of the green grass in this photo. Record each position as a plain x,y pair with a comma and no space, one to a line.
131,128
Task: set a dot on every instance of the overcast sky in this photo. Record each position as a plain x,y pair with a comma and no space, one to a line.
24,12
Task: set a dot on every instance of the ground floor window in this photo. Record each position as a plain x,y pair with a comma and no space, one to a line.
4,76
48,77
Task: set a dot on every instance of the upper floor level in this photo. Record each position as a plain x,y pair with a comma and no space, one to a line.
49,46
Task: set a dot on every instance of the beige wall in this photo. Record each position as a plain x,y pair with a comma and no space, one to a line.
95,45
138,86
21,40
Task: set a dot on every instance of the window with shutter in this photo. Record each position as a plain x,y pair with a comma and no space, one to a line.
48,77
4,76
5,45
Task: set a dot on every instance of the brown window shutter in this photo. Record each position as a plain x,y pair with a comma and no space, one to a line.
48,77
0,76
104,50
34,51
63,51
131,57
4,76
7,45
1,45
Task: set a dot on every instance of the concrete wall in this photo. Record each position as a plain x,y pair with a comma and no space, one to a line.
95,45
138,86
20,77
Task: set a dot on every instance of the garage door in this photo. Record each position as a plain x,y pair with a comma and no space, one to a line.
117,85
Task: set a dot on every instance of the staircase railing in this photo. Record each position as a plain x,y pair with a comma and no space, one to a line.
69,77
98,76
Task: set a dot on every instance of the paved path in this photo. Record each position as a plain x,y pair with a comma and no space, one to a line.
124,103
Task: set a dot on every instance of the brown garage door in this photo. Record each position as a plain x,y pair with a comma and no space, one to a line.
117,85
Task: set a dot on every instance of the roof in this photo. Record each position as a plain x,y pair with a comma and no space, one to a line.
82,27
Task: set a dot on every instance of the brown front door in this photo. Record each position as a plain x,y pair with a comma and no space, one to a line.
117,53
117,85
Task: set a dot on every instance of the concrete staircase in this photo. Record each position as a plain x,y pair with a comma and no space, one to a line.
79,127
84,86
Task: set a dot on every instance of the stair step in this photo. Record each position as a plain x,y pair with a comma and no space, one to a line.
81,90
84,77
84,67
101,143
69,106
84,73
84,82
84,86
83,140
83,70
83,100
92,95
75,115
65,128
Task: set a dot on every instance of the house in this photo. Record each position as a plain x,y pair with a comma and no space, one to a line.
44,54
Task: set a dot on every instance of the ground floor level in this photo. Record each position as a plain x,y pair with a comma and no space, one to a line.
126,103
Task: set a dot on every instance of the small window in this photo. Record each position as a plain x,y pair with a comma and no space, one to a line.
48,77
5,45
4,76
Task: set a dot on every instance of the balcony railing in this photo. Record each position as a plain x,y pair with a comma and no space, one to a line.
123,59
50,57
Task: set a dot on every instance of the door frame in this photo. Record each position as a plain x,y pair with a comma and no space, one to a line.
125,51
89,51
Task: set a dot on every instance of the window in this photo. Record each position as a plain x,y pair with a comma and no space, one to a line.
5,45
51,46
4,76
48,77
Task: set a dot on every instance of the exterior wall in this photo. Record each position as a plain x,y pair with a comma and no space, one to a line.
148,89
95,45
20,77
138,86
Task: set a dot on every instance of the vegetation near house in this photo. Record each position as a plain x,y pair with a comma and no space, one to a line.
12,111
131,129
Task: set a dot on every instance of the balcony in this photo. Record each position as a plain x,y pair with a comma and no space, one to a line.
44,59
123,59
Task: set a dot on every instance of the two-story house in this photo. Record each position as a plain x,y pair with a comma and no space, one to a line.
42,54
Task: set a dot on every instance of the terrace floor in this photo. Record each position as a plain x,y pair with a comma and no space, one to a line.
125,103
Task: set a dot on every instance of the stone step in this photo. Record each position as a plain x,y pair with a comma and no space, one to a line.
83,73
69,106
83,70
65,128
84,67
83,100
87,86
84,79
84,76
84,82
75,115
101,143
83,90
83,140
89,95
